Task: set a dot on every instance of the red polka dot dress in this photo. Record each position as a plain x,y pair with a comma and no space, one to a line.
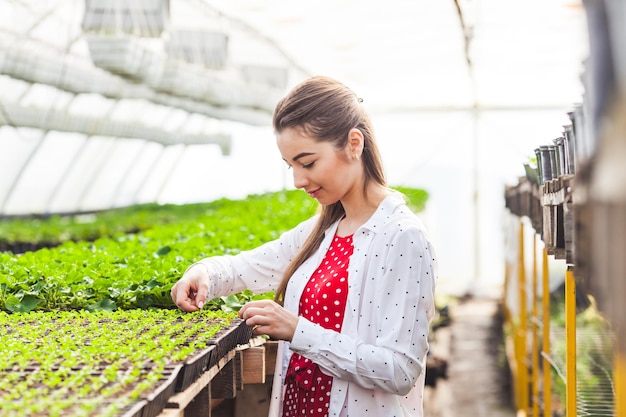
323,301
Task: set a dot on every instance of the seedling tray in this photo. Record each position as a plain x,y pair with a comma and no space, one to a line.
157,399
135,409
228,338
109,361
194,367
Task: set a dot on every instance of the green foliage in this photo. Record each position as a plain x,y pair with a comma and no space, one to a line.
55,229
416,197
137,270
594,356
95,358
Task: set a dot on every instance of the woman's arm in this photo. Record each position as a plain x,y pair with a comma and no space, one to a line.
259,270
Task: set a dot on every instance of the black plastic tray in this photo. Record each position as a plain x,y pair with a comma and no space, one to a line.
194,367
228,338
157,398
134,410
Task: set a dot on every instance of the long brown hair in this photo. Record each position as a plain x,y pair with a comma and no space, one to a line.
326,110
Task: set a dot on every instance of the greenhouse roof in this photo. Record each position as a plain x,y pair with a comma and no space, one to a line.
109,103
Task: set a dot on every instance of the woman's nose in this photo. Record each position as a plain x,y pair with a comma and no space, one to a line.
299,179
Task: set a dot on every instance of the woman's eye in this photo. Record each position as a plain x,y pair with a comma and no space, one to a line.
309,165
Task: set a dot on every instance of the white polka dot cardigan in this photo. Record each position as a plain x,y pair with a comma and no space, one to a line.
378,359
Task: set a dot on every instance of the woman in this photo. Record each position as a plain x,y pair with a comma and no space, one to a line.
354,284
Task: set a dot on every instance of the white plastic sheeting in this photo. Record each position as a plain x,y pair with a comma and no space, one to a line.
461,92
103,100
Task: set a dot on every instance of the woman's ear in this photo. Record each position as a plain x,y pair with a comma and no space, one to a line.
356,142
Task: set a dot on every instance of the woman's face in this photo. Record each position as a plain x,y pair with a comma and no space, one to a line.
326,173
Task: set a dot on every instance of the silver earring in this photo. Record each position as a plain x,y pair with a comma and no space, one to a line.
356,156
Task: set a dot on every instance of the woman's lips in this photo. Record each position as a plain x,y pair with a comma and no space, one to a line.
314,193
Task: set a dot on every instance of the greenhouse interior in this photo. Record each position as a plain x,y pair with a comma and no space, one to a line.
136,139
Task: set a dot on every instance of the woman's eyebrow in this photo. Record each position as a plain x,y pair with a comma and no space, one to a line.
302,155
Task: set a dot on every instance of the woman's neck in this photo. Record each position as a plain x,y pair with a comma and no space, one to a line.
360,208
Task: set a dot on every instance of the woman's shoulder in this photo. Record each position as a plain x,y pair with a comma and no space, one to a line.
394,209
395,217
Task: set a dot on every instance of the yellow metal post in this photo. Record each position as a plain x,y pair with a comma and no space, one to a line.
535,335
547,370
570,342
522,366
620,382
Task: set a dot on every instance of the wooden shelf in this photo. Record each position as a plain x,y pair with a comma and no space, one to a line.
550,208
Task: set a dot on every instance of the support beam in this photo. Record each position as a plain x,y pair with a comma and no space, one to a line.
36,63
52,119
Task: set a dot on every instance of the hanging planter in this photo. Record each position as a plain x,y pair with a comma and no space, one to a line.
122,55
208,49
146,18
116,53
183,79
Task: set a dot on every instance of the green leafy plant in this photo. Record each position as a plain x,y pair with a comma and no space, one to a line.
94,357
137,270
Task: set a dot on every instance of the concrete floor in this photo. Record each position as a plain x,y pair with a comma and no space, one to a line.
477,382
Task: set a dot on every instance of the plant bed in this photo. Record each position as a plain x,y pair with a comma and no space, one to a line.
137,270
129,271
19,234
102,363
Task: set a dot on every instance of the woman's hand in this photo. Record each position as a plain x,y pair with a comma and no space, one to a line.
268,317
190,292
